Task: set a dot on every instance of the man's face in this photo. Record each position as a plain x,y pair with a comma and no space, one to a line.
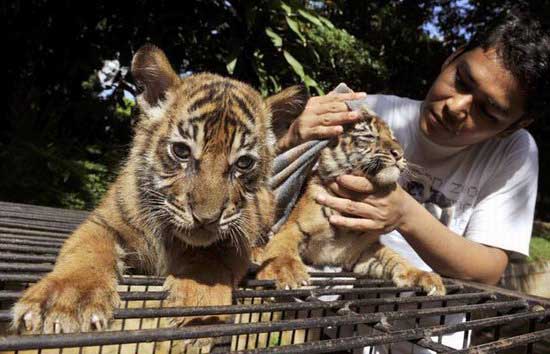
473,99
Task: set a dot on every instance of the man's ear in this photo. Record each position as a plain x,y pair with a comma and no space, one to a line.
519,124
285,106
153,73
453,56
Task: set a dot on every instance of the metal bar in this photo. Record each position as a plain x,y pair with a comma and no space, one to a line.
25,267
37,225
22,242
320,292
259,293
507,343
273,307
61,218
385,326
506,292
24,231
160,295
30,249
39,208
17,257
425,342
323,282
5,236
349,343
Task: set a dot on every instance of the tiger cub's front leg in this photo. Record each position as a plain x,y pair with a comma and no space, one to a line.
80,293
204,277
282,260
382,262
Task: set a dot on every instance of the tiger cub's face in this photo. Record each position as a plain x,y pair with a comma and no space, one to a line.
204,149
365,148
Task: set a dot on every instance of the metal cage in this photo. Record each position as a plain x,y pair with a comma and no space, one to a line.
338,313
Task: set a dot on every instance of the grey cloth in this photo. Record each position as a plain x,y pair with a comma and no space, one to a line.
292,167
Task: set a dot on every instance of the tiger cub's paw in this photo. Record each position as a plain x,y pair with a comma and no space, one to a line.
287,271
430,282
64,305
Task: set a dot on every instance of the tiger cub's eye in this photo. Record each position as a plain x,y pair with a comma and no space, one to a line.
181,151
245,163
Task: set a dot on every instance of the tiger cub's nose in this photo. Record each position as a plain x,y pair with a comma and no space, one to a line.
206,219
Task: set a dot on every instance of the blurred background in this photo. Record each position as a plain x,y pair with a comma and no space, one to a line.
69,97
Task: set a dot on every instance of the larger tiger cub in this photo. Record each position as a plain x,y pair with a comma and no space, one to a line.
366,148
190,202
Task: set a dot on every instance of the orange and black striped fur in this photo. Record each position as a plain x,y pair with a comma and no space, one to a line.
189,203
366,148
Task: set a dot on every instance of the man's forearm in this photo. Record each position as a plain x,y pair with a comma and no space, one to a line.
447,252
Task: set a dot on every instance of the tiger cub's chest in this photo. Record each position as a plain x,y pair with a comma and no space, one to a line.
326,244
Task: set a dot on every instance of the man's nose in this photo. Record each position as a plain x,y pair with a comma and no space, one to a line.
458,107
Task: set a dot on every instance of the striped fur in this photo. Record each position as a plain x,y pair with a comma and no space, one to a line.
366,148
190,202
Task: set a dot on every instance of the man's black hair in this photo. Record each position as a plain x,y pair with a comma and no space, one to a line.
524,48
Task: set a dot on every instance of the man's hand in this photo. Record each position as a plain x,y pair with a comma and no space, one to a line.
362,207
322,118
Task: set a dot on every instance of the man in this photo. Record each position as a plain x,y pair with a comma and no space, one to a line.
472,207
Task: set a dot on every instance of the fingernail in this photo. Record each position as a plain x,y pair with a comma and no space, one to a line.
361,94
338,129
353,114
320,198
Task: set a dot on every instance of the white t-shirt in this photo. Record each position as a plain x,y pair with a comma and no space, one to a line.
485,192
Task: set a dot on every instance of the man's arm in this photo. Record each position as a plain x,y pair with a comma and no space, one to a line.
445,251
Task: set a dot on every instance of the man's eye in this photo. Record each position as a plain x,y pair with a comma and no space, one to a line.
459,83
245,163
491,117
181,151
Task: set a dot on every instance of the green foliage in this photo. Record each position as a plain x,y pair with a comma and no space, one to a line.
343,58
539,249
274,339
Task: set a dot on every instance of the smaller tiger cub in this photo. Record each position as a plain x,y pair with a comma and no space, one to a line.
366,148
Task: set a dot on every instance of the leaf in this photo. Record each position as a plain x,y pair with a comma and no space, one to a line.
326,22
286,8
308,80
231,65
275,38
295,64
299,69
296,29
311,18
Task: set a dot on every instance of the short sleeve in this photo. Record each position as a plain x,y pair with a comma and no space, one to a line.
503,215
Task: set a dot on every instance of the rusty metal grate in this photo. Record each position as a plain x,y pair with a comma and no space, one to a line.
339,313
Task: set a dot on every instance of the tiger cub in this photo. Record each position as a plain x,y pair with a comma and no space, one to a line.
189,203
366,148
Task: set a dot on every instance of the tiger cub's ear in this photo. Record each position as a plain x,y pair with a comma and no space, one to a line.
153,74
285,106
